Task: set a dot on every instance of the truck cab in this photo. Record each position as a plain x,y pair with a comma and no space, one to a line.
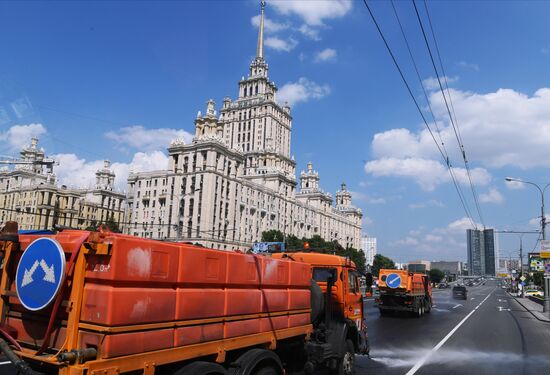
340,322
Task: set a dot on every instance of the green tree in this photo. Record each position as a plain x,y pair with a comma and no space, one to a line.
537,278
110,223
294,243
357,256
436,275
272,235
93,226
381,262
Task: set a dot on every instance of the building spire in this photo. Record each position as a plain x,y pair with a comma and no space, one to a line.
260,47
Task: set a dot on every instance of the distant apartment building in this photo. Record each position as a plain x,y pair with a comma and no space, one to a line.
368,245
481,252
30,195
448,267
237,178
507,265
422,266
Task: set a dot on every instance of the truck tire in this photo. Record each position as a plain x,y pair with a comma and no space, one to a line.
256,360
202,368
268,370
428,307
317,302
346,364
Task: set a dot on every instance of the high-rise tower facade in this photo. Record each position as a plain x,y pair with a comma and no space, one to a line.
238,177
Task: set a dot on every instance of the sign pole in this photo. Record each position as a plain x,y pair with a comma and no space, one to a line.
545,255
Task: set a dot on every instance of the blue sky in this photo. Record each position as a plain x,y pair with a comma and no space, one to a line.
119,80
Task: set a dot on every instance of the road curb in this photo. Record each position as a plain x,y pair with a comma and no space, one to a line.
526,308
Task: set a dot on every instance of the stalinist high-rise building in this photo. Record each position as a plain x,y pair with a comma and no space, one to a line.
238,178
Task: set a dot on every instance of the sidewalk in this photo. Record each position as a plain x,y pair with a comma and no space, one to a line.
534,308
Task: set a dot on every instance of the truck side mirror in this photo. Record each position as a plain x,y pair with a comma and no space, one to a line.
369,280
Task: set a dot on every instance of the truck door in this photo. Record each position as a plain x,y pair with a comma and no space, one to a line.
353,309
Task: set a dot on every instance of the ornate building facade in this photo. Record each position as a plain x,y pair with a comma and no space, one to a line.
30,195
238,178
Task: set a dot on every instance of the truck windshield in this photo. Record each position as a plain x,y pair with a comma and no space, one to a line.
322,274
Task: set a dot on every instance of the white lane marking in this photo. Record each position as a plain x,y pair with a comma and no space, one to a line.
473,298
5,363
423,360
500,308
454,307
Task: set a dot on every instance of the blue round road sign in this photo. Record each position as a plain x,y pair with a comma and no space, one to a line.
393,280
40,273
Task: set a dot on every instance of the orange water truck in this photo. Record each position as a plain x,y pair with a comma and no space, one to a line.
75,302
401,290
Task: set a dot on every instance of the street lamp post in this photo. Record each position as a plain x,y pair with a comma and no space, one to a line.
546,308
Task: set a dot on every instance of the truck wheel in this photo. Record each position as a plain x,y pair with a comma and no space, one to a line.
256,360
267,371
417,311
428,308
346,365
201,368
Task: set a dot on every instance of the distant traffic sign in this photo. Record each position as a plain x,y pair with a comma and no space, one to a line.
523,278
40,273
547,269
393,280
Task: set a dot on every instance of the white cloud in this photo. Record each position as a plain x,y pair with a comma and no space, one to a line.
76,172
310,32
19,136
467,65
427,173
492,196
327,54
270,26
279,44
430,203
535,222
457,226
500,129
514,185
313,12
433,238
432,83
408,241
440,243
366,198
301,91
139,137
366,221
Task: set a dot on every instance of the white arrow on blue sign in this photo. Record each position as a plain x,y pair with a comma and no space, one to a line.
393,280
40,273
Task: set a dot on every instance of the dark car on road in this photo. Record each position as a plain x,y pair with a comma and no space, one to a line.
459,291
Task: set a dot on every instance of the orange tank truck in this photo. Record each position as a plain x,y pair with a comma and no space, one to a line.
121,304
404,291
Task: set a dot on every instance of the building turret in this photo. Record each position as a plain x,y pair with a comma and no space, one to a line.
105,177
309,181
33,154
207,126
343,197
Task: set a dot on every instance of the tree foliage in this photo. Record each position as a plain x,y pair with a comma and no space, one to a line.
381,262
110,223
317,243
537,278
436,275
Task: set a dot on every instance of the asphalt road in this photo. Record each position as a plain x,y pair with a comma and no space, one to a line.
487,334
